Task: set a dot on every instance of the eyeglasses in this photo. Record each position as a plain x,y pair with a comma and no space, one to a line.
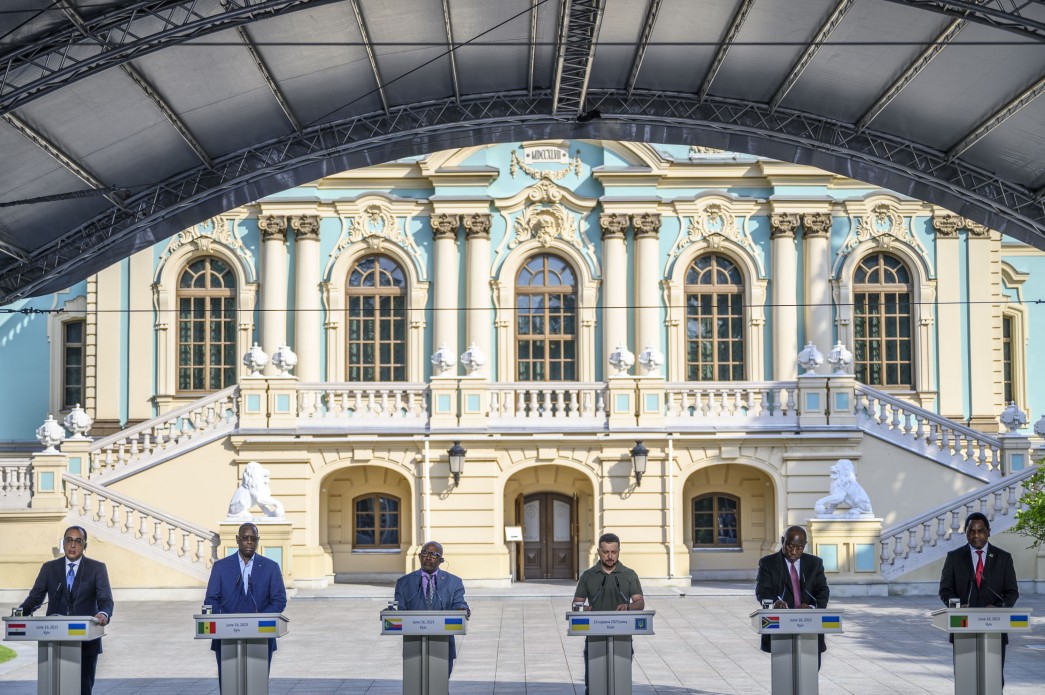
424,555
73,541
248,539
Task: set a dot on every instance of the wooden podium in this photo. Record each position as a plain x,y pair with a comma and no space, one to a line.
244,647
60,649
795,645
426,647
609,645
977,644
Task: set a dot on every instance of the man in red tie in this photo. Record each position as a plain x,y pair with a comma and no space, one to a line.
978,574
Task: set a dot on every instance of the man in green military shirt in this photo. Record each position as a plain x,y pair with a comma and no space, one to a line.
607,586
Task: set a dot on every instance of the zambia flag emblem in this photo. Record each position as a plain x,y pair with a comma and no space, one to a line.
959,621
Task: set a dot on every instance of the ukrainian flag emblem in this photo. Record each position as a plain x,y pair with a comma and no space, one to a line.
1019,621
453,624
266,626
830,621
579,624
78,629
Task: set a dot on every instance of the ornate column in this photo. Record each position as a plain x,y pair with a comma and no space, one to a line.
816,236
307,316
273,284
782,227
948,313
615,291
477,298
984,331
445,284
647,281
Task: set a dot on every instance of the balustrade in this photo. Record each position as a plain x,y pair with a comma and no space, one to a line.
559,402
16,482
384,403
751,402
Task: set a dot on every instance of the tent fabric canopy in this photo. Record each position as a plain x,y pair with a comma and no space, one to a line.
125,122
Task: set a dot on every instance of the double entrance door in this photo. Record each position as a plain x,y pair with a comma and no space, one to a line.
549,539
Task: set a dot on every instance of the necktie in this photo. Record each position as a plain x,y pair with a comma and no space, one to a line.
979,568
796,590
71,574
429,589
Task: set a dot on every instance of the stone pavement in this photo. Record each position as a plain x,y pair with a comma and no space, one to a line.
516,645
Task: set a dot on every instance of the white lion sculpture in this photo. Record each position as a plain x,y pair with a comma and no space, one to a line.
254,490
845,490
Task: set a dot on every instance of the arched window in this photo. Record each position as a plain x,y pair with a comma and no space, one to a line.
882,322
376,521
714,320
206,326
546,320
376,319
716,521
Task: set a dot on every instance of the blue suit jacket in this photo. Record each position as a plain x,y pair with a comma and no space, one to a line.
225,590
90,594
449,596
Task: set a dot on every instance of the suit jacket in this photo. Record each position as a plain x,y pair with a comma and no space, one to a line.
997,588
774,581
227,594
449,596
90,593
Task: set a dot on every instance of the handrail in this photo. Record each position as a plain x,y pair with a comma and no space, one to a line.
100,444
930,416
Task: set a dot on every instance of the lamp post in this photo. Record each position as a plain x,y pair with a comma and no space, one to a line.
456,453
639,457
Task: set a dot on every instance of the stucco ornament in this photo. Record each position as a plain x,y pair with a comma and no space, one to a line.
844,490
622,359
473,359
1013,418
651,359
839,358
254,490
442,360
50,434
255,359
78,422
809,359
284,359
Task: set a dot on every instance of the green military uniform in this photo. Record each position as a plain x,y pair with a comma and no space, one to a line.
607,591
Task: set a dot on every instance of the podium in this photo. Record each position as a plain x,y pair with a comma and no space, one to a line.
977,644
609,645
60,648
244,648
426,647
794,641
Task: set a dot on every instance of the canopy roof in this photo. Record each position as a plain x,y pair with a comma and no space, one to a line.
133,120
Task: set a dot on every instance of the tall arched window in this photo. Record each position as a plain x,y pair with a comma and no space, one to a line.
882,322
716,521
376,320
206,326
546,320
714,320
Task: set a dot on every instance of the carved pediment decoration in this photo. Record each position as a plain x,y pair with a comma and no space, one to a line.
546,218
884,226
203,236
375,225
714,224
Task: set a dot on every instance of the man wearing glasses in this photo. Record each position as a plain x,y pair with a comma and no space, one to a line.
75,585
245,583
432,589
792,578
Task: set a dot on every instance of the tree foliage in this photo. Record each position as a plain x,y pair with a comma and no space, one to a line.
1030,521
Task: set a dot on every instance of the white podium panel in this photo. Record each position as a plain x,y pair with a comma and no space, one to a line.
429,623
60,652
794,643
596,623
244,647
426,647
609,636
977,636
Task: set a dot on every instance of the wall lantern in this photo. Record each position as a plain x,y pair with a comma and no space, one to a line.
639,457
456,453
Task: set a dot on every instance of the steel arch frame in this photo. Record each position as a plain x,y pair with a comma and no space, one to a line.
782,134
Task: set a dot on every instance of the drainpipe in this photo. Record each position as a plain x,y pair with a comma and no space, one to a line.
671,507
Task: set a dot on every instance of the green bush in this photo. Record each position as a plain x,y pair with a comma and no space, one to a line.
6,654
1030,521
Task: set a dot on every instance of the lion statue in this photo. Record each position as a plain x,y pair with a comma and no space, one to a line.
845,490
254,490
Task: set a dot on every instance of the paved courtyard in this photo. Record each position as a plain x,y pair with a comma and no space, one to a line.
516,644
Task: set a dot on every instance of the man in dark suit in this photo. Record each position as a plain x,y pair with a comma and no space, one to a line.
75,585
245,583
978,574
792,579
432,589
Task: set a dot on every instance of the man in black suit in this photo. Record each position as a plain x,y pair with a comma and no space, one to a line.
75,585
792,579
978,574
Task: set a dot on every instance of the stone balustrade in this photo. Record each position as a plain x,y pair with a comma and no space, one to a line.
692,404
561,404
16,483
376,404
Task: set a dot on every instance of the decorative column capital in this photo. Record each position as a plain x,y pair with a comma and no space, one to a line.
646,224
477,225
783,224
816,224
445,225
613,225
273,227
306,227
977,230
947,225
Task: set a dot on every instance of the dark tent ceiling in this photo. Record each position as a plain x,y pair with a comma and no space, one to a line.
124,122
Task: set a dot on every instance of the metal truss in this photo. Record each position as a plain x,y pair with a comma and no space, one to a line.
826,29
1000,14
730,124
578,32
118,35
999,117
357,11
450,48
640,51
727,42
534,7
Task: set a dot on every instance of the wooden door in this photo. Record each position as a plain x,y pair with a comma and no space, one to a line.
548,536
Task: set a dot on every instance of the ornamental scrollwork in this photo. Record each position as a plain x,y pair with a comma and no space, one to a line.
713,224
518,164
202,236
374,225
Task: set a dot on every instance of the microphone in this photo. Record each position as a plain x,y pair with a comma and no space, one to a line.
627,601
996,594
968,599
250,592
810,596
601,589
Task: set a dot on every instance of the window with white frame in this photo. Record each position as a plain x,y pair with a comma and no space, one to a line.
883,350
206,345
546,320
73,354
375,308
714,320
